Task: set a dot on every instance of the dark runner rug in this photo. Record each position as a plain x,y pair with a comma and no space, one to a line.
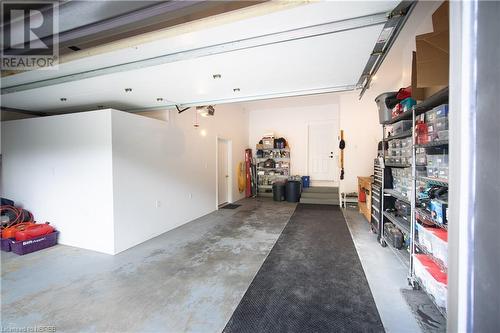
230,206
311,281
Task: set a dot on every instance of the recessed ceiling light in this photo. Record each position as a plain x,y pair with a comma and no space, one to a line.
63,99
128,89
159,99
216,76
236,89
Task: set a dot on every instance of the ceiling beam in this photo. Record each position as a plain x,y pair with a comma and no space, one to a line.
269,39
294,93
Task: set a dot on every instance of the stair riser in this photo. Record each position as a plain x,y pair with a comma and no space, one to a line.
321,190
320,195
319,201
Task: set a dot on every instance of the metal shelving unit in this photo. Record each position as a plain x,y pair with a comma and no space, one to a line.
407,257
264,182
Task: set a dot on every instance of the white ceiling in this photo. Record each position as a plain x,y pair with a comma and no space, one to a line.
301,65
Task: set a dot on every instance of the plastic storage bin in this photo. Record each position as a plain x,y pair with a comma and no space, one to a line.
385,103
5,244
435,241
401,126
35,244
306,181
440,111
432,278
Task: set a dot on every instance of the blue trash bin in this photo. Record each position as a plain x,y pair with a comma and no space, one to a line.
306,181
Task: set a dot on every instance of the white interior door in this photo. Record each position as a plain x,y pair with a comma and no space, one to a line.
222,171
323,151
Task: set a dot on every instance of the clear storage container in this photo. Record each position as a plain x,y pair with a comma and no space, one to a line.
433,280
435,241
440,111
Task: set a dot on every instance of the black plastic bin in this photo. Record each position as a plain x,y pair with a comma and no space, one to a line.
279,191
293,188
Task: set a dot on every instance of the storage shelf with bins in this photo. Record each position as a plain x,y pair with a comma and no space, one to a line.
418,213
268,174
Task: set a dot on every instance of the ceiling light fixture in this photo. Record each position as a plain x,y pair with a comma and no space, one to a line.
217,76
128,89
236,89
206,110
63,99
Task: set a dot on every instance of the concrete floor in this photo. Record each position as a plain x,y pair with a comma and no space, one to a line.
386,275
187,280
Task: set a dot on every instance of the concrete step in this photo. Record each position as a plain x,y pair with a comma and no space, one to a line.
318,201
321,195
321,189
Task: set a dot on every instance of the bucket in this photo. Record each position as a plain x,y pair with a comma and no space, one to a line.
306,180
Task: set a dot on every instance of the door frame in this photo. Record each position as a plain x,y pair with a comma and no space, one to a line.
328,121
229,144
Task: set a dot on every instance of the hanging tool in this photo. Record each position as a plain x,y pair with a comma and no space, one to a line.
342,146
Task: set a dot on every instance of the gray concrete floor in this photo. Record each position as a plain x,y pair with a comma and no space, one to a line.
187,280
386,275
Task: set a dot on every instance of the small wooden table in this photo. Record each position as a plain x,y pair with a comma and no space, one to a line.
365,186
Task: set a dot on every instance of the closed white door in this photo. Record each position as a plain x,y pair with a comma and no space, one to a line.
323,148
222,171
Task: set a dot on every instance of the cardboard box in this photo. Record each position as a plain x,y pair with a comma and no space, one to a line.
441,18
433,59
417,93
430,64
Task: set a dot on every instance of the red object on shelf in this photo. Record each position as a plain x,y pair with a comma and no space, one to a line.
432,268
248,164
33,231
362,196
404,93
397,110
422,133
441,233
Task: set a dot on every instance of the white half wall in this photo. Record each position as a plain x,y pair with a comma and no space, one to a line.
164,173
60,168
109,180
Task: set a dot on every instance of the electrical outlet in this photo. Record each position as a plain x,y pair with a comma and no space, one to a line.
157,203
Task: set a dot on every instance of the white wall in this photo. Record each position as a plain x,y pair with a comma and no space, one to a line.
60,169
97,176
289,118
171,163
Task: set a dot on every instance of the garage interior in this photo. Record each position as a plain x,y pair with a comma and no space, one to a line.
251,166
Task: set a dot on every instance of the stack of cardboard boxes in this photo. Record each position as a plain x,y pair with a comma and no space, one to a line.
430,65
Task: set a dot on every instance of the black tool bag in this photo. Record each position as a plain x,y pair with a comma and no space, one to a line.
403,209
393,235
